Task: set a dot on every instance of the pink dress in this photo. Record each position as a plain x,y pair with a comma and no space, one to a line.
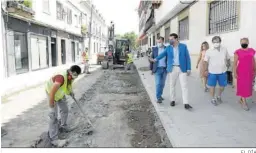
245,72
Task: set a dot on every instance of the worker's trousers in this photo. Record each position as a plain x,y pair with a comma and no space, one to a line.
60,107
129,66
183,78
86,67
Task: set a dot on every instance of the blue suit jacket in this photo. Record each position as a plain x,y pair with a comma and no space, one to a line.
153,66
184,57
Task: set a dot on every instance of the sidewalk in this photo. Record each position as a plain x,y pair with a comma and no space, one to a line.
225,125
12,106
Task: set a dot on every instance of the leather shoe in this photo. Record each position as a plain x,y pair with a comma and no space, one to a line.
172,103
187,106
159,101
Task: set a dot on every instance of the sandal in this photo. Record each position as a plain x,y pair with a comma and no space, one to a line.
243,104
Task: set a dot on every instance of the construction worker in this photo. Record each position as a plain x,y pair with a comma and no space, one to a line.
56,88
129,61
86,61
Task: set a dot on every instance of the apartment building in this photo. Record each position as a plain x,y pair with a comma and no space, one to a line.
99,28
44,36
196,21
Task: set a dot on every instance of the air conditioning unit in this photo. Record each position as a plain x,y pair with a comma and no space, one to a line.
187,1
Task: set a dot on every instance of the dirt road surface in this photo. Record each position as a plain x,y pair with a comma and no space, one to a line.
116,103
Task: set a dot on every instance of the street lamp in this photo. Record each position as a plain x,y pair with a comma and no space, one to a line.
90,30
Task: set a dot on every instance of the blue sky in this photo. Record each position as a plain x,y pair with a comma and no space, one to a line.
122,12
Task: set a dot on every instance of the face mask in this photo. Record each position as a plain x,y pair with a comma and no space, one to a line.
216,45
172,42
159,44
244,45
74,75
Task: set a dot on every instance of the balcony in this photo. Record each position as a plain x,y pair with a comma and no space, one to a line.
22,8
83,29
149,22
156,4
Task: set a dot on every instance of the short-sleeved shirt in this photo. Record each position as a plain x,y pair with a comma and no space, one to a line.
217,60
59,79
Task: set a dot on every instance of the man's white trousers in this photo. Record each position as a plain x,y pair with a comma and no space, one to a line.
173,77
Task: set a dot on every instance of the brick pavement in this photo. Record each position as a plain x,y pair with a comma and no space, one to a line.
225,125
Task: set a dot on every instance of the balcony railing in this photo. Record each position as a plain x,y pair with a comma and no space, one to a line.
156,4
149,22
22,8
83,29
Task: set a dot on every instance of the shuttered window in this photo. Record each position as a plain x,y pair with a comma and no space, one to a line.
184,29
69,16
223,16
39,52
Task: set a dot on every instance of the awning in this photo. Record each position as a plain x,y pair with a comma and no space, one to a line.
142,36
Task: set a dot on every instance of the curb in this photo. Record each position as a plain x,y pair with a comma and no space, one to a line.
152,99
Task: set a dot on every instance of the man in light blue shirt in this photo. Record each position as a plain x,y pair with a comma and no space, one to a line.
159,69
178,66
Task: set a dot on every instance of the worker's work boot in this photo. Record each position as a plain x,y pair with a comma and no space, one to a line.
66,129
59,143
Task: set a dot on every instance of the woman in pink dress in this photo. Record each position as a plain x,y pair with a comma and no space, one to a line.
244,70
200,61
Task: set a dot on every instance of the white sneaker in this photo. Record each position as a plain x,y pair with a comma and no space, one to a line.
59,143
219,99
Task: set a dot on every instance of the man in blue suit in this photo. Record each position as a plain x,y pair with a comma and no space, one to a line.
159,69
178,66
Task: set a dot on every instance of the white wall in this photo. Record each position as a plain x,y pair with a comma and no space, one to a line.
2,45
231,40
198,26
51,17
166,6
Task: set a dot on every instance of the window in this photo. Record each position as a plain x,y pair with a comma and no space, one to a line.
158,35
84,19
80,19
223,16
150,42
17,53
94,47
76,20
167,33
69,16
184,29
77,49
59,9
46,6
39,52
100,31
92,28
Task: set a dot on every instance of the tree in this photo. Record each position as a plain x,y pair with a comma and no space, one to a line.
131,36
